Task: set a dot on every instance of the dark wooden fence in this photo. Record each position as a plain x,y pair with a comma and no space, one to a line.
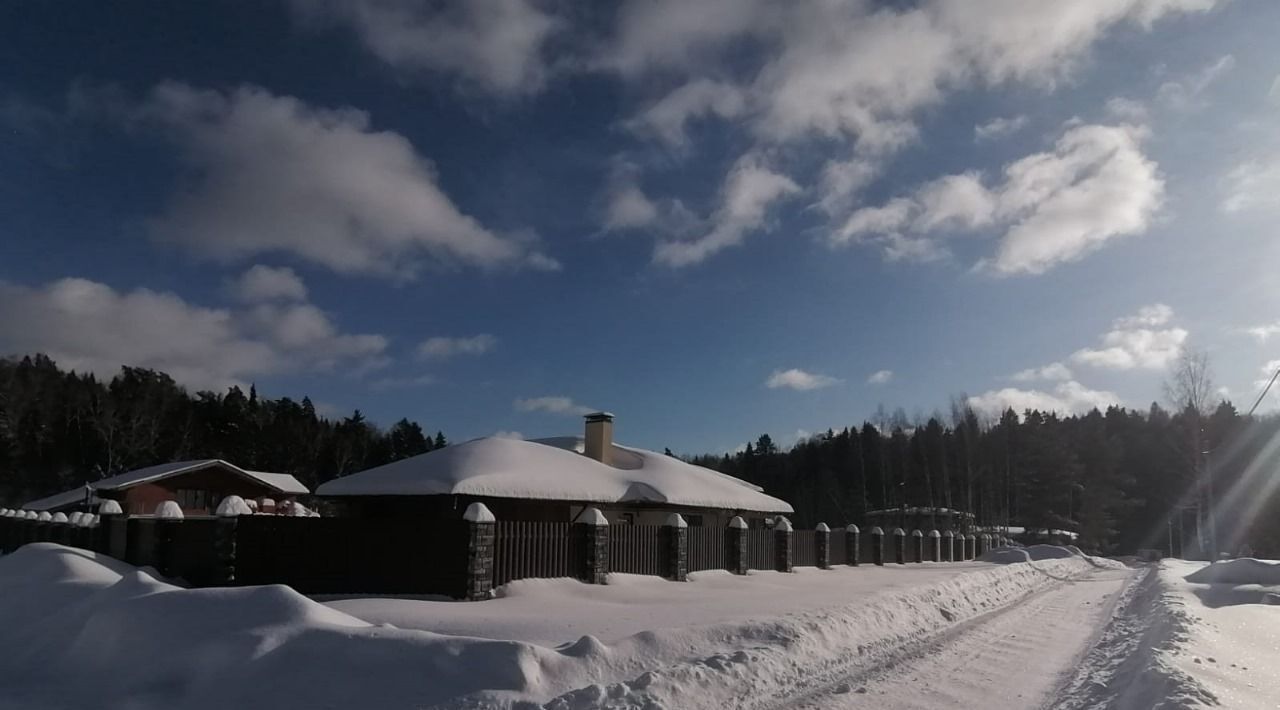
638,549
528,549
839,545
707,549
760,553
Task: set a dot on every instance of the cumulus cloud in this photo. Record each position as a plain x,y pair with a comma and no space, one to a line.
1053,207
999,127
1066,398
552,405
749,192
881,377
1052,371
1145,340
89,326
272,174
264,283
441,347
495,45
797,379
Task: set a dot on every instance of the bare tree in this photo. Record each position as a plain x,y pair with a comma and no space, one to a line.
1189,385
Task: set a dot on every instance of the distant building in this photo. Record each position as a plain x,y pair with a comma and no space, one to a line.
197,486
554,479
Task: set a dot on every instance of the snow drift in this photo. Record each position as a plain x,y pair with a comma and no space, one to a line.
1245,570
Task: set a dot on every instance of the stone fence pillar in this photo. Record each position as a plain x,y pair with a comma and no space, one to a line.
877,547
822,539
935,546
736,540
971,549
480,551
899,546
225,538
851,540
948,546
168,518
917,542
110,511
595,527
784,560
677,540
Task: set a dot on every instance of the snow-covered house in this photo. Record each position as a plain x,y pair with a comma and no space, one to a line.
197,486
554,479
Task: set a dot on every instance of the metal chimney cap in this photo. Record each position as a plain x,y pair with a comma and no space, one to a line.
599,417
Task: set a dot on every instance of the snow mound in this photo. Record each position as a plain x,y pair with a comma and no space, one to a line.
1034,553
1245,570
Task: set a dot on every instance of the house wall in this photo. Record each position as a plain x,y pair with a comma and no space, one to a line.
208,485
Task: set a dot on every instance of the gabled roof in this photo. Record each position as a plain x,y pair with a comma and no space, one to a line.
554,469
279,482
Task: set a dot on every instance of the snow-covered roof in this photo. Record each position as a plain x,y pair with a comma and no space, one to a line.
555,469
281,482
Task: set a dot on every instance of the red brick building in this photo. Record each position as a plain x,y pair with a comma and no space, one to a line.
197,486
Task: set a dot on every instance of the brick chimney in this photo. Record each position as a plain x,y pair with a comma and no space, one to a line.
599,437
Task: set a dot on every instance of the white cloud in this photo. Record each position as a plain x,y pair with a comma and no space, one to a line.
1186,93
1053,207
272,174
497,45
882,377
1066,398
263,283
1127,110
1252,186
666,118
508,435
799,380
748,193
552,405
88,326
1137,341
628,208
1052,371
444,347
999,127
1263,333
841,182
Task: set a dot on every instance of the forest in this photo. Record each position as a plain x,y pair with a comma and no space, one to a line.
1124,479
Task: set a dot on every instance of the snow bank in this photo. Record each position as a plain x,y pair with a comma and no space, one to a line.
1245,570
82,630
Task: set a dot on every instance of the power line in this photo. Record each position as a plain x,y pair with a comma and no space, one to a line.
1265,390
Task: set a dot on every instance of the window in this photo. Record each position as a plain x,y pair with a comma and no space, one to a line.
694,521
190,499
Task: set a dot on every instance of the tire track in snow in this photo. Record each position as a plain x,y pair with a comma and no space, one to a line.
1013,658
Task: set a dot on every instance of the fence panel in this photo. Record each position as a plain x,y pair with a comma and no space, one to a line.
537,549
637,549
760,550
839,546
804,548
194,556
707,549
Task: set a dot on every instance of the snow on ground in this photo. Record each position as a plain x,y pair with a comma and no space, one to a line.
85,631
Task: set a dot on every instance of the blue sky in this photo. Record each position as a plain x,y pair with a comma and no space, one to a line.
714,219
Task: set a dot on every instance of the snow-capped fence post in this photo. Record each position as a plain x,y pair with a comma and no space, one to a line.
877,547
935,546
784,560
948,546
979,545
736,540
596,530
899,546
851,535
822,539
59,531
224,538
168,519
971,548
676,532
917,541
110,540
480,551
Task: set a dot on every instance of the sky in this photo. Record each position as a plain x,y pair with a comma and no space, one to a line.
713,219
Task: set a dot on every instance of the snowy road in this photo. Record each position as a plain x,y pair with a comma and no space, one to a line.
1013,658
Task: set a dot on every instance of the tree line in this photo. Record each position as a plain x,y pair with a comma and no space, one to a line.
61,429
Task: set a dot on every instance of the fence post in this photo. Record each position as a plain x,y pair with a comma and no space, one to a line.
168,517
877,547
736,539
108,512
851,534
822,541
935,544
224,538
480,550
899,546
917,542
59,531
948,546
676,532
971,550
783,558
596,529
